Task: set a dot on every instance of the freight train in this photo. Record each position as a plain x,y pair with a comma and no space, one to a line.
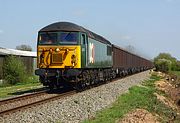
70,55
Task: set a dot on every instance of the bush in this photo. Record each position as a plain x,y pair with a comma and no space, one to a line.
165,62
163,65
13,70
33,79
178,66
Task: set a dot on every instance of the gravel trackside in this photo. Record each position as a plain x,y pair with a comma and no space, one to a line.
78,107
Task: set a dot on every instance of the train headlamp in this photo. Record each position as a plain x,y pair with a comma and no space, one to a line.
73,60
57,50
67,50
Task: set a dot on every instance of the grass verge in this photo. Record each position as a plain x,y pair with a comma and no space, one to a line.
138,97
177,73
7,90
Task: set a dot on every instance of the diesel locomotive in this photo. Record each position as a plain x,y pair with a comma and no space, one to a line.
70,55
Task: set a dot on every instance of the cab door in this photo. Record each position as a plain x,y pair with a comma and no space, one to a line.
84,50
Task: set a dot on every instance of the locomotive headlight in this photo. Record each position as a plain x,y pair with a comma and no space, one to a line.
73,60
67,50
57,50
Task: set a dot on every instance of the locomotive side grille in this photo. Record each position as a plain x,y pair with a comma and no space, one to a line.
57,58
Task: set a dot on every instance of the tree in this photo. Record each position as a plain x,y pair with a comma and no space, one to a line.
165,56
165,62
178,65
163,65
24,47
13,70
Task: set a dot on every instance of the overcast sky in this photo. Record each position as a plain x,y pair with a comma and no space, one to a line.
151,26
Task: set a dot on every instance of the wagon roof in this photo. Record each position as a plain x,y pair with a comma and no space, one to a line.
67,26
128,51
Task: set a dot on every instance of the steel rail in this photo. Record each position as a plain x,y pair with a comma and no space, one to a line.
9,111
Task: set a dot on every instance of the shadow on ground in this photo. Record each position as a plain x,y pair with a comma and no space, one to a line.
28,91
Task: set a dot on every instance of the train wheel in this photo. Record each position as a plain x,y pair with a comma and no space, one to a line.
80,86
51,86
52,83
86,82
96,78
92,78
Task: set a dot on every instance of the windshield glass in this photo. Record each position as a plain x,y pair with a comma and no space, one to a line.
48,38
68,38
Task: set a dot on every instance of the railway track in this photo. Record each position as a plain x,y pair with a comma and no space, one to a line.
20,103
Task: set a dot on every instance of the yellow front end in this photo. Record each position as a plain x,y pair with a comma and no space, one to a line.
59,56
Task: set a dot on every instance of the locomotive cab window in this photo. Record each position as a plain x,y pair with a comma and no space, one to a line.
47,38
83,39
68,38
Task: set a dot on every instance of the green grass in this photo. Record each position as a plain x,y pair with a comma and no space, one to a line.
7,90
137,97
17,89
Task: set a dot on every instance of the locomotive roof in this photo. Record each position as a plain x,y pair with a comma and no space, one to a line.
67,26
